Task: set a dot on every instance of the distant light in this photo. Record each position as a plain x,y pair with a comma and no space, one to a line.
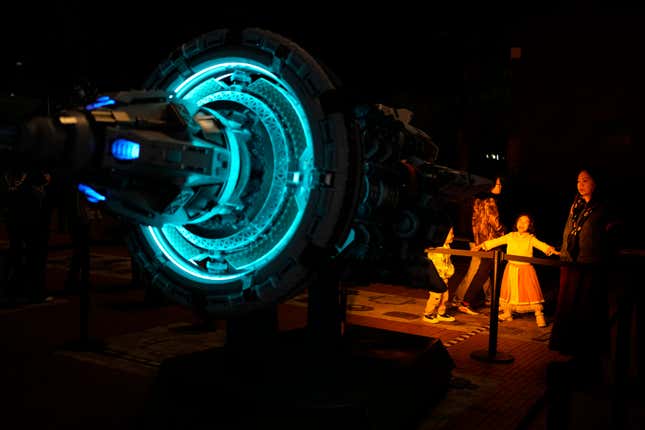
124,149
90,193
100,102
64,119
493,156
516,53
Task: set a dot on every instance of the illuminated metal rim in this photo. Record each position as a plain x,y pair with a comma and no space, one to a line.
288,129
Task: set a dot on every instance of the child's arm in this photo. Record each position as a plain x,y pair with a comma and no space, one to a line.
544,247
492,243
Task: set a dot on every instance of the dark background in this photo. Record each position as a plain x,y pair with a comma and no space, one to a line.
573,97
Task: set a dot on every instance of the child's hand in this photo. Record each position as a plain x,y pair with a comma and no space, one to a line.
551,250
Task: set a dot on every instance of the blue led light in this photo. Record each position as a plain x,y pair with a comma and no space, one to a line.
91,194
124,149
100,102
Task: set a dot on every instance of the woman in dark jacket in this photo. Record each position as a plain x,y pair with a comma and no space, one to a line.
581,327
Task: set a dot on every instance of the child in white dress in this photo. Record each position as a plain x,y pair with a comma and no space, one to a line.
520,290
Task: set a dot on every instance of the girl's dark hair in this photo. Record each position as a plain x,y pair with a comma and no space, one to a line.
531,228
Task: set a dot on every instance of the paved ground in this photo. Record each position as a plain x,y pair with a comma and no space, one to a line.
52,381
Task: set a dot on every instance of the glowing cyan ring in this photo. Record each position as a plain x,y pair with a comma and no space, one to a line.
177,260
277,107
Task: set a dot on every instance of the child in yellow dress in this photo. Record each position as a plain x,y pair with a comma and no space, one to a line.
520,290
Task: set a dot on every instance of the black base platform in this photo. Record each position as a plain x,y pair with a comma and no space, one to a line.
373,379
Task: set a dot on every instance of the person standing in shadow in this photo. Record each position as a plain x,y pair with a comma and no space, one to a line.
581,326
28,218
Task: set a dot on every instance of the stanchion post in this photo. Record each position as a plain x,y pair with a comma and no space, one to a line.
494,304
492,355
85,342
84,311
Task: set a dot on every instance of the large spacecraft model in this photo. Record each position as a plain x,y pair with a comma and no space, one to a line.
242,171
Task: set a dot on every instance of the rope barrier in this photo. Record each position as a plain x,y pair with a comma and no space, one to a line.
492,354
489,254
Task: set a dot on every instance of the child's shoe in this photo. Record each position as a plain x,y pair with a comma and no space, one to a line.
465,309
506,317
541,322
506,313
431,318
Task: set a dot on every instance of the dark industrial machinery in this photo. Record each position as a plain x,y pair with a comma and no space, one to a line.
243,170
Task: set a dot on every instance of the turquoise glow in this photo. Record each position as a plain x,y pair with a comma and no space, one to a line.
124,149
215,71
350,238
279,201
234,150
91,194
179,261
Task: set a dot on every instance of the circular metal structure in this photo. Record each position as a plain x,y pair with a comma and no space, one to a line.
286,192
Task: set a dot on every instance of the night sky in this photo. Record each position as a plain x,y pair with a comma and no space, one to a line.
574,96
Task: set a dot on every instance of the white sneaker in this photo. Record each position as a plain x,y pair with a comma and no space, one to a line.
431,318
445,317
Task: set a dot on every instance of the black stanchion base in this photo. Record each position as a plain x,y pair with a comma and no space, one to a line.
498,357
373,379
85,345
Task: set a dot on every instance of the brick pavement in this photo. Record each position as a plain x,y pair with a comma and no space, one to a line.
489,395
501,395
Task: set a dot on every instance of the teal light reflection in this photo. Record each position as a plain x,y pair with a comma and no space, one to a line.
286,204
179,261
